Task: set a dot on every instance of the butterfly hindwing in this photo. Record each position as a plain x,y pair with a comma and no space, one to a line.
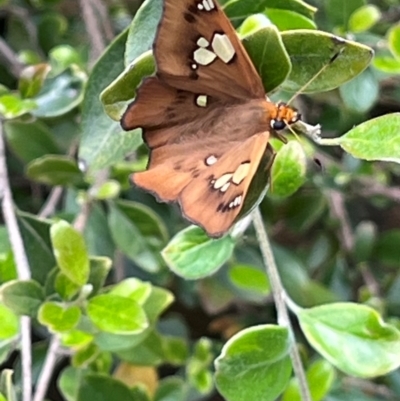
197,50
215,199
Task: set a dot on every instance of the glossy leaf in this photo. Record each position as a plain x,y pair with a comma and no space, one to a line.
353,338
376,139
254,364
57,317
309,51
12,106
288,171
286,19
250,279
364,18
116,314
55,170
103,140
60,94
70,252
192,254
22,297
9,323
40,138
138,232
394,40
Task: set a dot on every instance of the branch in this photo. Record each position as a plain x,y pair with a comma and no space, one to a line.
279,298
22,264
10,58
94,33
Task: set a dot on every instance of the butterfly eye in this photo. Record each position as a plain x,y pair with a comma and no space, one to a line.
278,125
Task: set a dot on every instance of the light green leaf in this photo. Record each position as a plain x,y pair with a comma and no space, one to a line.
376,139
9,323
116,314
59,318
394,40
254,364
364,18
70,252
352,337
192,254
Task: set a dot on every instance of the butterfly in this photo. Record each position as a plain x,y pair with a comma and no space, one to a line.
205,117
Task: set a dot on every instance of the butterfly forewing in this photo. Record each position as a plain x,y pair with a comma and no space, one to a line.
197,50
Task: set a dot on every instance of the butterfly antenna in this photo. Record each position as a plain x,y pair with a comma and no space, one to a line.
333,58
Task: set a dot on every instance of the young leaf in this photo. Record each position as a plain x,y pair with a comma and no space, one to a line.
192,254
254,364
353,338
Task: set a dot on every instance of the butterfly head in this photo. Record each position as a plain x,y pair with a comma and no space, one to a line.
284,115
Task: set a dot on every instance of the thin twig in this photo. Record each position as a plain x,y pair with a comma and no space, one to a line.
94,33
47,370
10,58
104,19
336,200
279,298
22,265
51,203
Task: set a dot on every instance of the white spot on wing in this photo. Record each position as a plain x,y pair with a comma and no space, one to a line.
225,187
223,47
200,6
241,173
211,3
204,56
211,160
206,5
223,180
194,66
203,42
201,101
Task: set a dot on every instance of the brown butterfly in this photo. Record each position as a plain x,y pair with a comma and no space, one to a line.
205,116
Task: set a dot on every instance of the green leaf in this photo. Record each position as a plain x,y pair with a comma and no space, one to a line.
59,318
22,297
134,289
64,287
76,339
376,139
103,141
32,78
116,314
9,323
288,171
237,10
70,252
142,30
55,170
103,388
254,364
69,382
339,11
38,135
361,93
249,278
192,254
138,232
387,64
7,386
394,40
320,378
85,356
99,268
365,236
364,18
310,51
272,70
36,236
60,94
156,303
352,337
12,106
287,19
172,388
121,92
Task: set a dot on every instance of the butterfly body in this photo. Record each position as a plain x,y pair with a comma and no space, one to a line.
205,116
